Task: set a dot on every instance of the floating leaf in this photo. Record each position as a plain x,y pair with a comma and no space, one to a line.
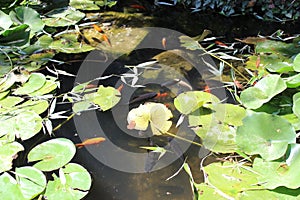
37,106
68,44
10,101
266,135
29,16
263,91
280,172
156,114
52,154
63,17
286,194
31,181
83,5
297,63
293,81
189,43
8,152
188,102
3,94
9,189
106,97
81,106
231,178
35,82
5,21
296,104
73,183
208,192
17,36
7,81
48,87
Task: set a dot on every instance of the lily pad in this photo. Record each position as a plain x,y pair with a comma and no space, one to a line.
293,81
280,172
265,134
106,97
263,91
208,192
63,17
269,194
10,101
37,106
7,82
53,154
3,94
5,21
16,36
35,82
8,152
9,188
29,16
296,104
84,5
188,102
297,63
81,106
231,178
31,181
48,87
73,183
68,44
189,43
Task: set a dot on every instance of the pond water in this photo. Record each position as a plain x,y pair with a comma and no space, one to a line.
117,166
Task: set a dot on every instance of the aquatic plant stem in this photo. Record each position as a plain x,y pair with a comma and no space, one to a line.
60,125
182,138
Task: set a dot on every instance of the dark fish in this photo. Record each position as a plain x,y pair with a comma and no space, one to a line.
170,83
143,97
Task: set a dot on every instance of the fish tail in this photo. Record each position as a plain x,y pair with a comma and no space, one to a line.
106,39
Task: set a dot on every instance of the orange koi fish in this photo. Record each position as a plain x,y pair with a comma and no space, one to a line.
90,141
98,28
238,84
257,63
207,89
106,39
136,6
161,95
164,42
220,43
120,87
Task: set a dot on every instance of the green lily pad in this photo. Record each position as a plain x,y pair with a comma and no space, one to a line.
35,82
7,82
8,152
231,178
37,106
208,192
268,194
105,97
29,16
31,181
16,36
266,135
53,154
280,172
68,44
9,188
5,21
296,104
48,87
81,106
188,102
281,49
293,81
84,5
3,94
297,63
10,101
293,119
189,43
63,17
73,183
42,43
263,91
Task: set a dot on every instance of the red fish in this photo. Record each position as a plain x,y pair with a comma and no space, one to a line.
98,28
136,6
220,43
106,39
120,87
164,42
90,141
257,63
207,89
148,96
